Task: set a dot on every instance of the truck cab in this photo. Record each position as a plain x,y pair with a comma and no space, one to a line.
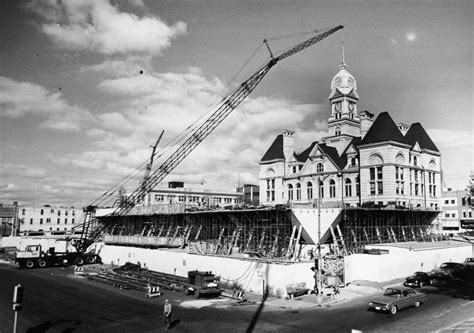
203,283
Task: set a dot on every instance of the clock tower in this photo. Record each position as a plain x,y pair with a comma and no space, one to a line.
344,121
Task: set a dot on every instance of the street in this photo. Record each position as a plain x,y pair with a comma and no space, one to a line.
56,301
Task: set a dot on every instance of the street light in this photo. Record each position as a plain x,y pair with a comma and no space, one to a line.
319,282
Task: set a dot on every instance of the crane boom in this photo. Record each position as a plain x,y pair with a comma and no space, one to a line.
228,104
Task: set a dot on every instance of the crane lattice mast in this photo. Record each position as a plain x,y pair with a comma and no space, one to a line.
228,104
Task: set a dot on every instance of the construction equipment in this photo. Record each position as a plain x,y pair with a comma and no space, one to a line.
131,276
197,135
60,254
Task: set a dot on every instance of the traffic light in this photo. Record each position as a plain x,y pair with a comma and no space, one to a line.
18,298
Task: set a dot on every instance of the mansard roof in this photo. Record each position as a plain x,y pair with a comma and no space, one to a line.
275,152
383,129
416,133
303,156
331,152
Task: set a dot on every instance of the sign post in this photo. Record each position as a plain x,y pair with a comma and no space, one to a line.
17,303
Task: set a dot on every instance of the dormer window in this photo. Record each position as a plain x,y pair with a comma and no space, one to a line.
338,131
319,167
415,160
353,161
294,169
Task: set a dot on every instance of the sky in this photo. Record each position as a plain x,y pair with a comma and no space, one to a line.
87,86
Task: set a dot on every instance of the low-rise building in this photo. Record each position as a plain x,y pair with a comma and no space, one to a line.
176,193
455,208
48,219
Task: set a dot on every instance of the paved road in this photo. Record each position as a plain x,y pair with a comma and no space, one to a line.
55,301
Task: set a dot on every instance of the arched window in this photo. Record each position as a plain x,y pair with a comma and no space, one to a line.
294,169
332,188
290,192
357,186
337,131
310,190
415,160
353,161
319,167
321,189
348,188
375,159
298,191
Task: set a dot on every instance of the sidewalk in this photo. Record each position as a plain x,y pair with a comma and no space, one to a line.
354,290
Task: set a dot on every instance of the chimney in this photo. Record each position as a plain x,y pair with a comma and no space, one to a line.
288,143
403,128
366,121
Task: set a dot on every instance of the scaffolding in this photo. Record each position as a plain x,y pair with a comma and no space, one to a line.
270,233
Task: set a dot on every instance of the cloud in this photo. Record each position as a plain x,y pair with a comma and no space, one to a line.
98,26
457,151
19,99
411,36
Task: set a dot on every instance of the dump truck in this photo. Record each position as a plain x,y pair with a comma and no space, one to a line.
62,253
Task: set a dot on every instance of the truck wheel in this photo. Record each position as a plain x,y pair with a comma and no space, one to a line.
30,264
393,310
79,261
196,294
42,263
90,259
186,291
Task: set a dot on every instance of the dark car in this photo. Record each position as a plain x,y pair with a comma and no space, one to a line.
469,261
418,280
446,273
397,298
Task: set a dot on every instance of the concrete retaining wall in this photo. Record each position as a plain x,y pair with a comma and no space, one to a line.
249,275
401,262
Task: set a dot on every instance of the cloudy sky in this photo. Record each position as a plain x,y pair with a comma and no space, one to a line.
87,86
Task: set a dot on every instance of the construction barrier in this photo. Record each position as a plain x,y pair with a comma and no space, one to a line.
78,270
153,291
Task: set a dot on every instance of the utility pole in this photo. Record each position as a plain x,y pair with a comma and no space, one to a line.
17,303
319,282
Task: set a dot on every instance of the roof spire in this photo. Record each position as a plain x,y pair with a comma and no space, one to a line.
343,64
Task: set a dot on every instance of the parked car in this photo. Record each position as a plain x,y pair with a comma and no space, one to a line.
448,270
418,279
397,298
469,261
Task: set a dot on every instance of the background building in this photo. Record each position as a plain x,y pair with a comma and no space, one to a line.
176,193
456,210
251,194
361,162
9,219
48,219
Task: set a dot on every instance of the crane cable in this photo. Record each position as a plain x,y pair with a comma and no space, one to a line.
181,137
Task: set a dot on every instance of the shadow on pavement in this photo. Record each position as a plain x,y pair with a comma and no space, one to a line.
44,327
174,323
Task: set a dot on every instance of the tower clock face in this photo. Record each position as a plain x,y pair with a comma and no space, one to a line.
337,106
351,106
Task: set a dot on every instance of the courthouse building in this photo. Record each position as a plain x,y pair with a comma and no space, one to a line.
365,160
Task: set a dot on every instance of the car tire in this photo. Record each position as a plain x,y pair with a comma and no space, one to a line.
197,294
30,264
90,259
79,261
42,263
417,304
393,310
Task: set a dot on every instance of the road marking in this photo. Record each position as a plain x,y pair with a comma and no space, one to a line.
440,314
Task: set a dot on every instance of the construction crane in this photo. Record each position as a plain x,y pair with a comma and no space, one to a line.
144,185
227,105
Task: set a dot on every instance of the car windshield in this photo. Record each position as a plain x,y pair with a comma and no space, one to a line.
392,292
